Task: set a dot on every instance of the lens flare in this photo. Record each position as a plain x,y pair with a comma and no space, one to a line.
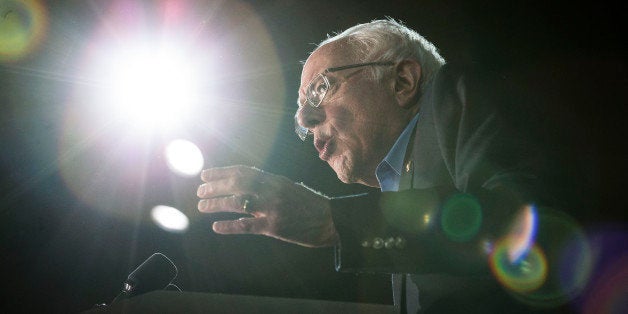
184,158
170,218
608,291
104,172
410,211
522,234
214,64
166,67
546,261
461,217
526,274
23,25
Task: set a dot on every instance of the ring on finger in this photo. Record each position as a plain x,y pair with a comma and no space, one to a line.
246,204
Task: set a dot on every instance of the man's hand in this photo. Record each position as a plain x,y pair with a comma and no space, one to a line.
280,208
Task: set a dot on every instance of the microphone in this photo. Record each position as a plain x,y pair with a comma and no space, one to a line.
156,273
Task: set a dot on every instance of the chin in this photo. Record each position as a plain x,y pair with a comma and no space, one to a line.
344,178
343,170
346,173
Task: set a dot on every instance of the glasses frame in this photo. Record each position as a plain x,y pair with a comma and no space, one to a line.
303,132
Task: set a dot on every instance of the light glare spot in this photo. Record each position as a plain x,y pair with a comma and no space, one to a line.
461,217
526,275
184,158
152,87
523,234
170,218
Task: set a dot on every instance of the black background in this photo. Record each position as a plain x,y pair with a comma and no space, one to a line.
58,255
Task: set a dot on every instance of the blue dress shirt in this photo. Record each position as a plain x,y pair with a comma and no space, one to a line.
388,171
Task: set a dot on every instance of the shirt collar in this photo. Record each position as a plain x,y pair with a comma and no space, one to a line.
389,170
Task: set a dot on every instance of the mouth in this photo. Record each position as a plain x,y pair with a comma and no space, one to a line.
325,148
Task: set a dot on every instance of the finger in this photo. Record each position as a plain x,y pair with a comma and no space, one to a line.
224,187
232,204
240,226
231,181
218,173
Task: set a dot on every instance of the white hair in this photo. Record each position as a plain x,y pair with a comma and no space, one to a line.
389,40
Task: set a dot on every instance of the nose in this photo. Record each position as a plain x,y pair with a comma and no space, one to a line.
309,117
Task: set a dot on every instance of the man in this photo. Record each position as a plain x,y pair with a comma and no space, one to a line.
385,111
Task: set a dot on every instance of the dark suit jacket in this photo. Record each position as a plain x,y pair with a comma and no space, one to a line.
470,143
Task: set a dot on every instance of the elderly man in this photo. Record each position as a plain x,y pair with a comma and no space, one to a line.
385,111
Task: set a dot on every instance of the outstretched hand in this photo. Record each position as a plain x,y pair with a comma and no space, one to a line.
279,208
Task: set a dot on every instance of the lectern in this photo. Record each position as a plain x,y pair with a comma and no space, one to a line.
163,301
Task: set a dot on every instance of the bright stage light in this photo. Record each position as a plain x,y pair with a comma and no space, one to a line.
170,218
150,86
184,158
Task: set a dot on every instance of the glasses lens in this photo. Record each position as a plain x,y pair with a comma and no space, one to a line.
317,89
301,131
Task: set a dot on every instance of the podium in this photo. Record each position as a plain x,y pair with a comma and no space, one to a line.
163,301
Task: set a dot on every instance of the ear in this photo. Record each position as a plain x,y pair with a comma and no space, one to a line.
407,78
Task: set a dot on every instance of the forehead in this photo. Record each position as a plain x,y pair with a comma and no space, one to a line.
333,54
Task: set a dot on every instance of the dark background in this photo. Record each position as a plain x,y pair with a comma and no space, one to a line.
60,255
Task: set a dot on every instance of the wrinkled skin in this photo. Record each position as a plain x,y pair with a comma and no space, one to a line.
280,208
359,119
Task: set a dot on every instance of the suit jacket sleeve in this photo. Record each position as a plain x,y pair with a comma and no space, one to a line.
473,170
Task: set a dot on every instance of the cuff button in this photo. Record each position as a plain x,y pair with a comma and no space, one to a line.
378,243
400,243
389,243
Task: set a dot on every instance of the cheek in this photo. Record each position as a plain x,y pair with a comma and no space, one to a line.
340,118
351,127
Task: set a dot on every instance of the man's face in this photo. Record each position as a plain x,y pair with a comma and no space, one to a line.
358,120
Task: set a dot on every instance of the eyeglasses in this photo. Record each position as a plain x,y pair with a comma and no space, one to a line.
318,87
